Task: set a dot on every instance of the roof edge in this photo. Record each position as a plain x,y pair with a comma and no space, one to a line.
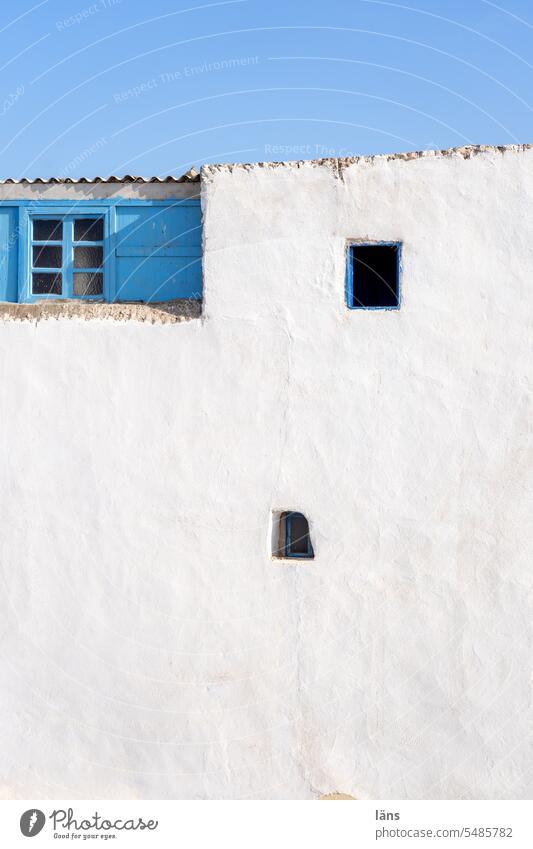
340,163
191,176
337,163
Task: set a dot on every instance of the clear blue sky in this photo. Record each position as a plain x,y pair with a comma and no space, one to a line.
124,86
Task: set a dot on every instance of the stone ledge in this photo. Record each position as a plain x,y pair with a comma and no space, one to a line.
162,312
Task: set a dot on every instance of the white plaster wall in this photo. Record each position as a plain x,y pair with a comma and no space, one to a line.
150,645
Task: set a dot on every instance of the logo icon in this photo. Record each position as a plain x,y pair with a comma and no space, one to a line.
32,822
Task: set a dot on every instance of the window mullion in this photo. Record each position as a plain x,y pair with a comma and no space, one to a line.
68,257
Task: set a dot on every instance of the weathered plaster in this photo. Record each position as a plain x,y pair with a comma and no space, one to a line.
165,312
339,164
150,645
76,191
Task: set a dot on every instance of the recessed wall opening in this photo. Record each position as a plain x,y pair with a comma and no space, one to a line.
70,256
291,538
374,276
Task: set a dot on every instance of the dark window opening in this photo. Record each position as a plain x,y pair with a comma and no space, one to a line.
295,540
374,275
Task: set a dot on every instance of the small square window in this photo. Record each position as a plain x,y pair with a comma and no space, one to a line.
374,276
66,257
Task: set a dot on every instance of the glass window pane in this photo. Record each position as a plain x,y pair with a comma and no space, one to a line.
86,283
299,534
46,284
47,231
89,230
88,257
47,256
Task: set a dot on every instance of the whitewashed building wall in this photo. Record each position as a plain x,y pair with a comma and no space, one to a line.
151,646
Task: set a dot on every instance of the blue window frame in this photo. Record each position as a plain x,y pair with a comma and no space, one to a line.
296,541
67,255
62,252
373,275
111,249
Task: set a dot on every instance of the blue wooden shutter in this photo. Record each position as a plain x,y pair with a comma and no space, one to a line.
9,247
158,251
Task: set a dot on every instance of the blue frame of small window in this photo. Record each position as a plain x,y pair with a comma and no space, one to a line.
287,540
349,289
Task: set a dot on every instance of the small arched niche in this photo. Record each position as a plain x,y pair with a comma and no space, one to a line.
291,539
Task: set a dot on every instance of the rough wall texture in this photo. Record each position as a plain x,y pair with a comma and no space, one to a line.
164,312
151,647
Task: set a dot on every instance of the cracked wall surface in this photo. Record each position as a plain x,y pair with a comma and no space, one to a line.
151,647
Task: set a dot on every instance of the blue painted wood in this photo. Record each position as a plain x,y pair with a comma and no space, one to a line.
142,250
67,213
24,255
9,250
158,252
152,249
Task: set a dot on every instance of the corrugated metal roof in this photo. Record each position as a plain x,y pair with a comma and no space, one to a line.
191,176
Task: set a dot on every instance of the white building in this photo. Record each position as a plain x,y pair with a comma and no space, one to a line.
152,645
